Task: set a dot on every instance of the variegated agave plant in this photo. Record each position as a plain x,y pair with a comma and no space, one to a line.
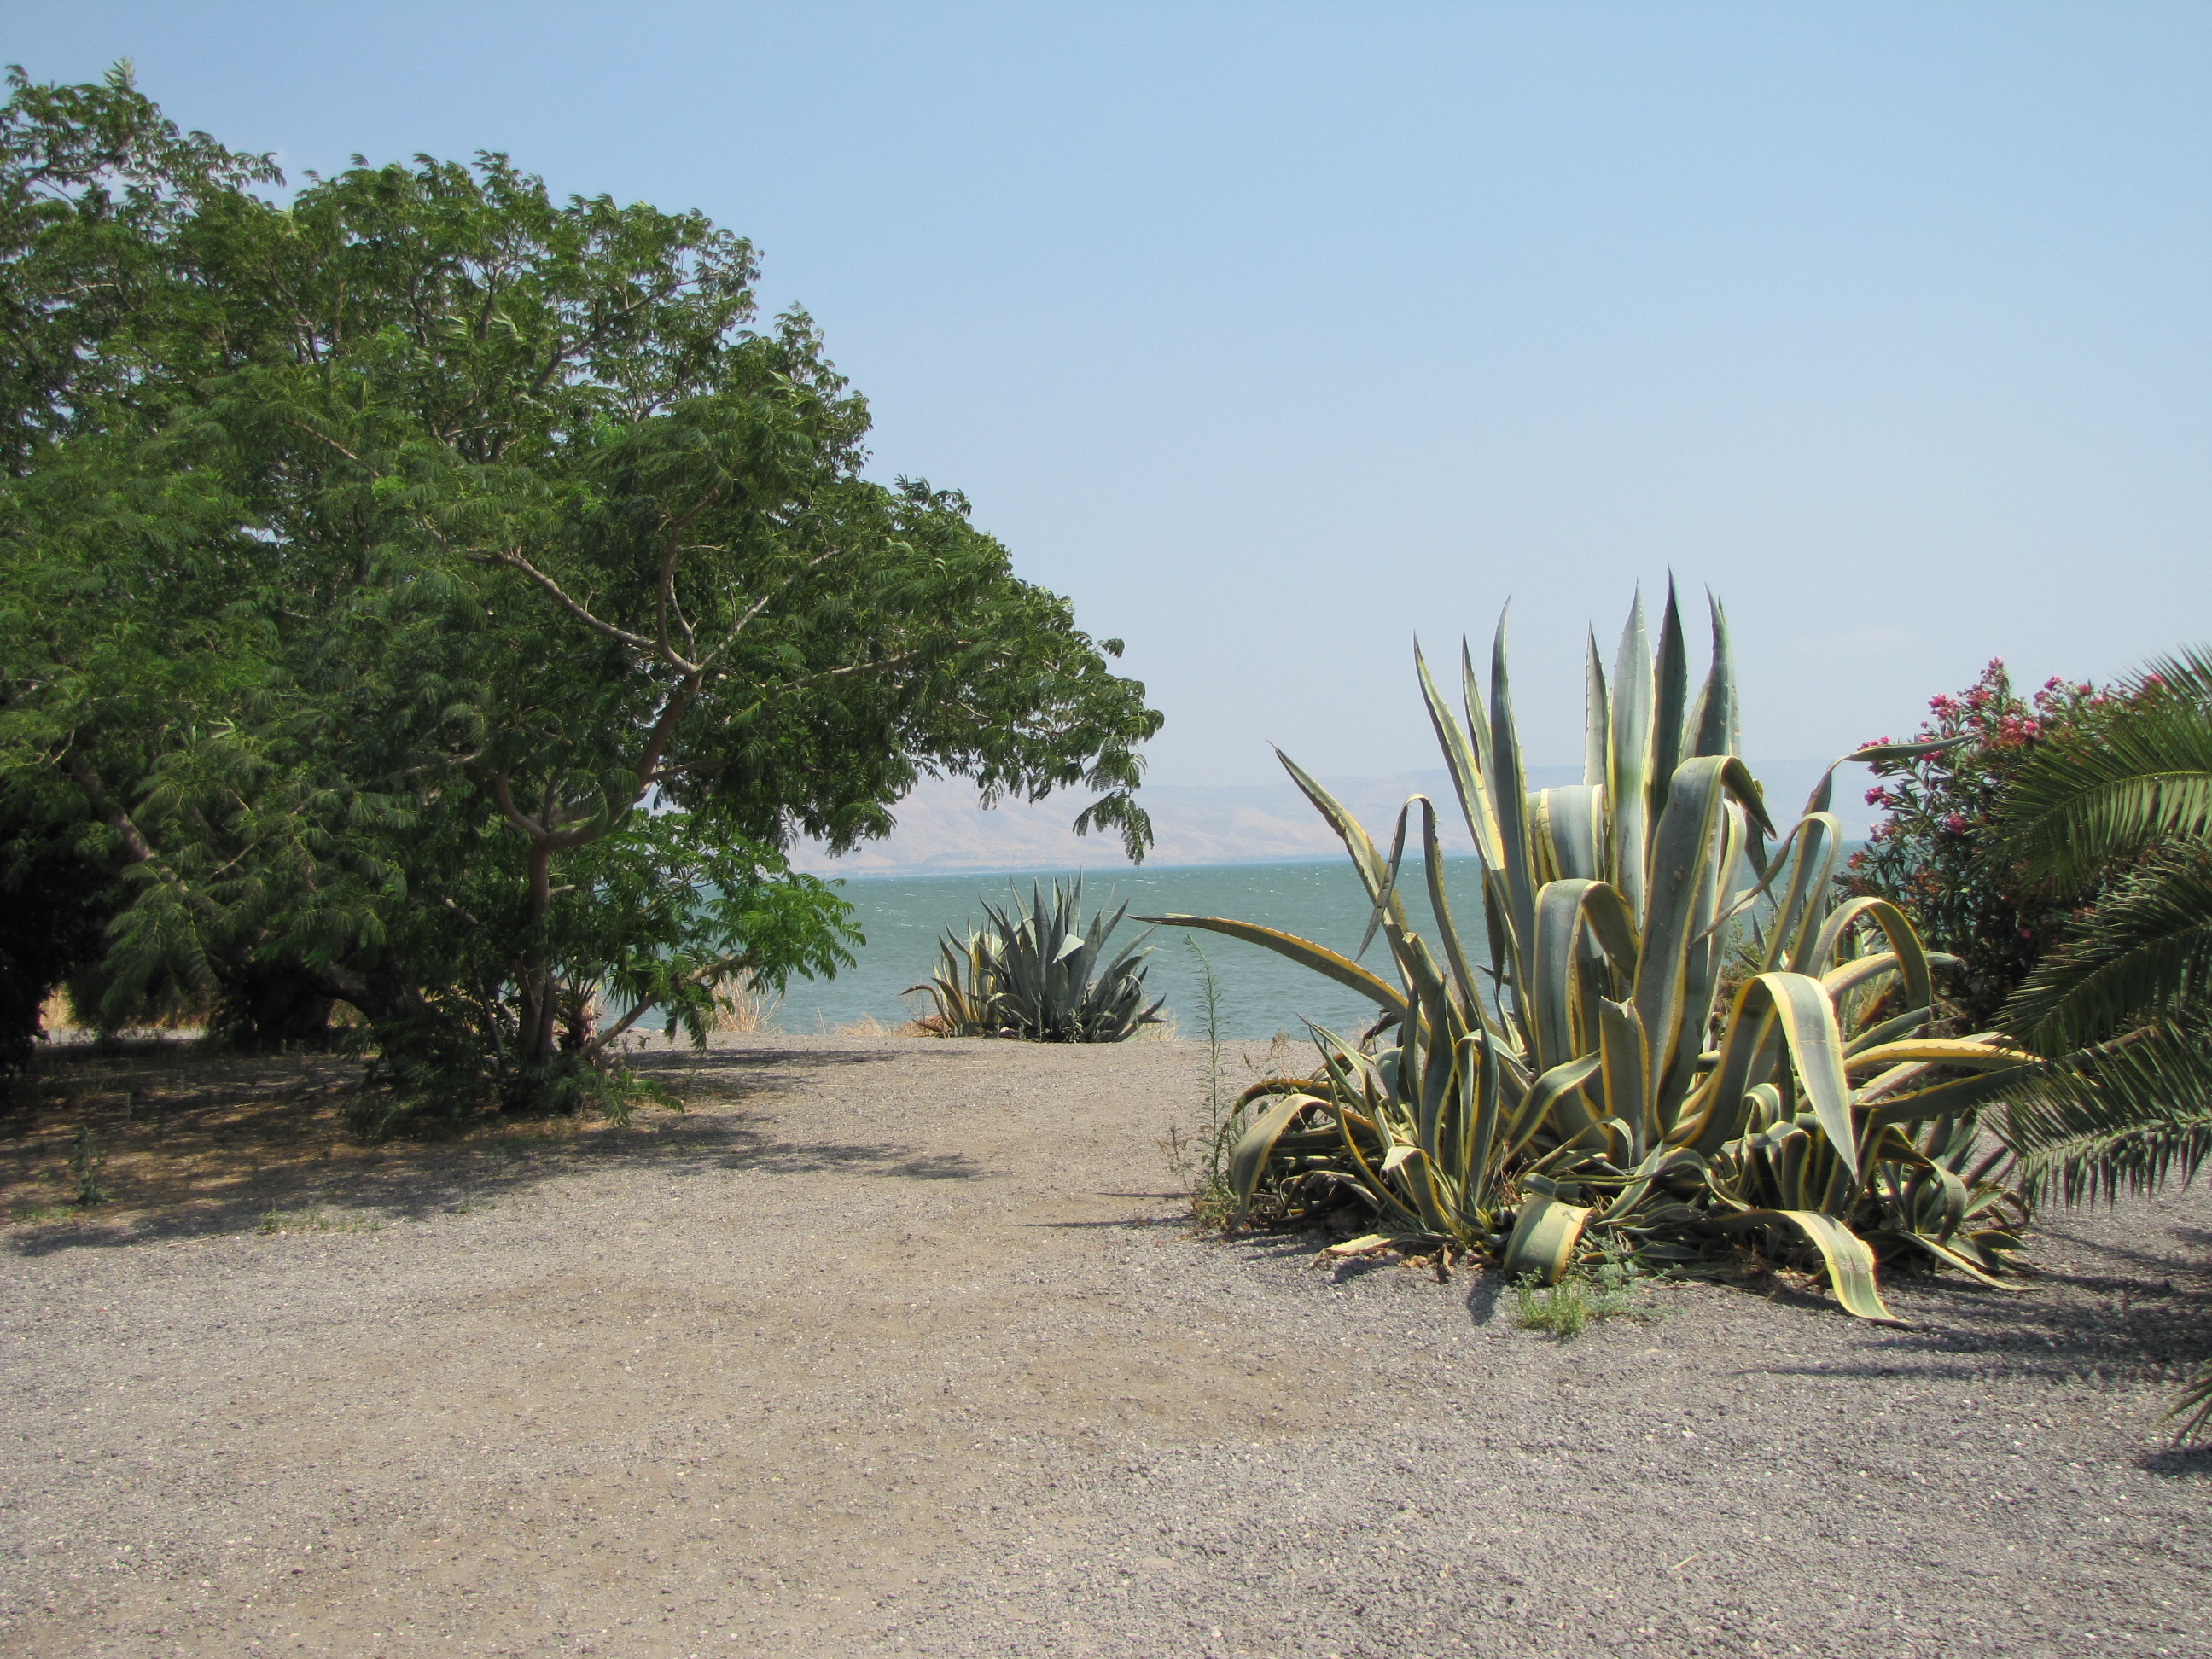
1035,972
1679,1037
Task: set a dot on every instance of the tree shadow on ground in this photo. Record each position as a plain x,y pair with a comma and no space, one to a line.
189,1144
2123,1300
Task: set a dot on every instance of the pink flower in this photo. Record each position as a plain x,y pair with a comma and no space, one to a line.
1877,797
1955,824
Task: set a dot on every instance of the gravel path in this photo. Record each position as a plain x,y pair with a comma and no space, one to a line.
899,1347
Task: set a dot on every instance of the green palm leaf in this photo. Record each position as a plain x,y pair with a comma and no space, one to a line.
2145,947
2078,806
2126,1117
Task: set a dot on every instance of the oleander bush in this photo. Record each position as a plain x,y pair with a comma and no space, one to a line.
1933,852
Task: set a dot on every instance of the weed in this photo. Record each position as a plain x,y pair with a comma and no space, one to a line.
1579,1300
39,1212
314,1221
85,1161
1199,1156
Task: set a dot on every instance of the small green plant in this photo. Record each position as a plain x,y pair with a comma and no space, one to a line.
314,1221
1571,1306
41,1212
85,1159
1033,972
1199,1157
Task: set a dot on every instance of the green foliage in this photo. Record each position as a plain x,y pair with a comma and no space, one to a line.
1575,1302
446,600
85,1157
1035,973
2122,1001
57,896
1199,1157
2122,817
1931,855
1592,1086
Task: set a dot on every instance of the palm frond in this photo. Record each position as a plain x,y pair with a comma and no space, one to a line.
2127,1117
2144,948
2187,673
2078,805
2194,1404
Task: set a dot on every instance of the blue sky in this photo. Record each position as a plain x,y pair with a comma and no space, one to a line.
1272,334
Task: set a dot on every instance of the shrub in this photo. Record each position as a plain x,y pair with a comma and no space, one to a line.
1933,854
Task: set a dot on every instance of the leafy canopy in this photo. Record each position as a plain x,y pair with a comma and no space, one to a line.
451,601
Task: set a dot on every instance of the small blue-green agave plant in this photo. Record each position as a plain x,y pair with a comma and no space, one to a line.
1034,972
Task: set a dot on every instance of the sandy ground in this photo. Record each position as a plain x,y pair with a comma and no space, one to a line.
902,1347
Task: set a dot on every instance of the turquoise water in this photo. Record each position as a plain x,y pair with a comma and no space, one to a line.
1260,993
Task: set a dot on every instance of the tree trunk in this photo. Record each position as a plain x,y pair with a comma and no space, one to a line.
537,1009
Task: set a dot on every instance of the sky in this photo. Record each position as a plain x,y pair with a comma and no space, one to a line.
1277,335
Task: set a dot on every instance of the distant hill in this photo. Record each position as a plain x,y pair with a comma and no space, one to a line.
941,830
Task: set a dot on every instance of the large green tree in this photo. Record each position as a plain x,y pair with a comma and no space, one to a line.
433,595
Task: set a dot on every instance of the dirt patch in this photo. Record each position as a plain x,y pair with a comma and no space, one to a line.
899,1346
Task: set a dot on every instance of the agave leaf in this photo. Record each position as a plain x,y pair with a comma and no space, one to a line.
1562,910
1670,692
1248,1159
1808,1023
1712,723
1627,791
1551,1095
1389,880
1978,1053
1955,1095
1511,796
1943,1252
1681,853
1305,952
1849,1262
1367,1243
1911,957
1627,1065
1890,1030
1544,1237
1596,718
1872,755
1469,782
1432,866
1373,874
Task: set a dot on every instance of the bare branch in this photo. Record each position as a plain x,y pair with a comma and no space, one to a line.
522,566
504,794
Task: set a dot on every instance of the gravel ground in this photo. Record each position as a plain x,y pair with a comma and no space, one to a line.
900,1348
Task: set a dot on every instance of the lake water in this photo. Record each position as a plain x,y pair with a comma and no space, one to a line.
1260,994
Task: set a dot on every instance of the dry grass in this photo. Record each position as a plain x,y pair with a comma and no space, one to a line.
747,1011
868,1025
